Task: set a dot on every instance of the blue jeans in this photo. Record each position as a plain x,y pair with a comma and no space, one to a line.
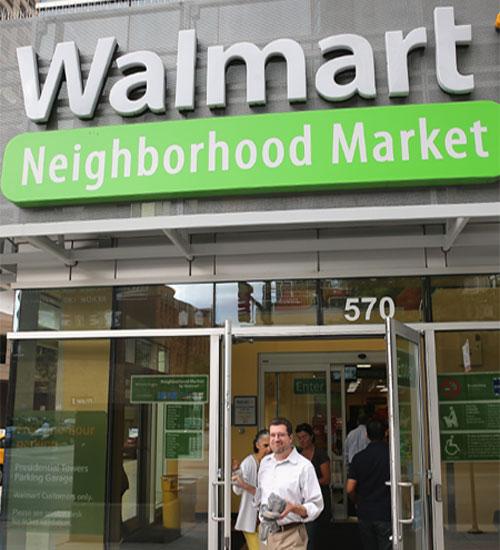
375,535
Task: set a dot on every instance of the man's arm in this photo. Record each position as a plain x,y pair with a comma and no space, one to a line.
350,488
312,499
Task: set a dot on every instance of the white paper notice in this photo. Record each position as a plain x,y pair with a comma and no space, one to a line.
466,356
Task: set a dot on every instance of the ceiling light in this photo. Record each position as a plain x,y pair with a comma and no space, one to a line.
364,366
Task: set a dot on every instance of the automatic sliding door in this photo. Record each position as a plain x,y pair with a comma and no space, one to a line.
300,396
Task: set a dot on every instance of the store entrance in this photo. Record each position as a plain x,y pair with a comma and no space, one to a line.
331,391
331,382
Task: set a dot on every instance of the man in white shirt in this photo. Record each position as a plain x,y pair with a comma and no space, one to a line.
289,475
357,439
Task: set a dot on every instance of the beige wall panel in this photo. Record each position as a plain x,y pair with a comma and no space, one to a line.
85,375
144,270
356,262
474,256
204,266
256,266
86,272
39,274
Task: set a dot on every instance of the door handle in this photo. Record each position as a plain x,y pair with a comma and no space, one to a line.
412,502
215,500
438,492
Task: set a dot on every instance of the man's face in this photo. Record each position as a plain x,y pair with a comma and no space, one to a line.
280,441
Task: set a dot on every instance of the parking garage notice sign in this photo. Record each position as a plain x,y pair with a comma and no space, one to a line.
469,416
55,472
431,144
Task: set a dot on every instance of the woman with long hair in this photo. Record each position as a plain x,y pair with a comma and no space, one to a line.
245,484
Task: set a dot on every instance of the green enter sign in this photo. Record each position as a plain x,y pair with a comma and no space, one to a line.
432,144
302,386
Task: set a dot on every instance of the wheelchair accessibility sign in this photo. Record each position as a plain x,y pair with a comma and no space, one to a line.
470,447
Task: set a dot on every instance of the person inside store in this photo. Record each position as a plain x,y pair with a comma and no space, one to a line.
289,494
245,484
317,529
357,439
366,487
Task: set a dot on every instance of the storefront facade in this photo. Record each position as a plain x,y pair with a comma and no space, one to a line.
266,208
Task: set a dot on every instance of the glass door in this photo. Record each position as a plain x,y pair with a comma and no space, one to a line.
408,481
219,505
160,439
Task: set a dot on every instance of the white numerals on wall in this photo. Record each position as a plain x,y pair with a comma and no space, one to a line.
354,307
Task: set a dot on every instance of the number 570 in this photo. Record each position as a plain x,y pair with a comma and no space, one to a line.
386,307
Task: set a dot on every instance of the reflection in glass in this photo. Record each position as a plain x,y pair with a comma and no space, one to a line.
163,306
65,309
465,298
283,302
162,447
410,442
56,450
371,300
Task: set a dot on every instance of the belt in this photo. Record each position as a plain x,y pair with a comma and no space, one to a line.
289,526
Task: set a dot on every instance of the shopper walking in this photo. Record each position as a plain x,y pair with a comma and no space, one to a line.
366,486
317,529
245,484
287,478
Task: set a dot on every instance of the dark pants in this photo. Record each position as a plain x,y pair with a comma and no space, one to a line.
375,534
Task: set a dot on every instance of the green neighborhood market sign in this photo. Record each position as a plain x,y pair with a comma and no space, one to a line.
434,144
175,388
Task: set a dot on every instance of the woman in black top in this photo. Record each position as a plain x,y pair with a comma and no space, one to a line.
321,463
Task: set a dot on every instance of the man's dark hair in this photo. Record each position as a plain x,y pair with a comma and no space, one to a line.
362,419
375,430
279,421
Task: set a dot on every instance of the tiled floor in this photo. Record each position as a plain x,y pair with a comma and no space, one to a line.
465,541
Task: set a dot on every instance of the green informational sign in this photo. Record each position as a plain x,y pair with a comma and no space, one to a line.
184,417
169,389
184,425
302,386
430,144
470,447
55,472
184,445
469,386
469,416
